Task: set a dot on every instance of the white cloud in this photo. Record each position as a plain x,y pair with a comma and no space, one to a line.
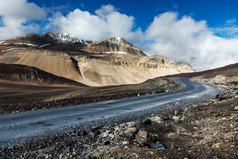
106,22
190,41
14,17
105,10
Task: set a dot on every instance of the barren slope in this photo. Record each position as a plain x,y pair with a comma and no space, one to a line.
20,74
57,63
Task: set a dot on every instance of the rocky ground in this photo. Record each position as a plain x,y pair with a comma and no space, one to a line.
205,130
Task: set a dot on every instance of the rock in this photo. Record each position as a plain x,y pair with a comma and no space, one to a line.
143,132
172,135
112,136
165,118
236,108
176,119
146,122
220,97
130,124
107,143
185,110
217,145
158,145
130,133
94,128
117,129
135,124
182,118
140,140
82,133
92,133
142,135
105,134
175,112
125,143
156,119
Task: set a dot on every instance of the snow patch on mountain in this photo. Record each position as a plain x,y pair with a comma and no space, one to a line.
115,52
66,38
25,44
118,39
11,49
43,46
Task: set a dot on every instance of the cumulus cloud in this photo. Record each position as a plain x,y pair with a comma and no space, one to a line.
190,41
106,22
15,15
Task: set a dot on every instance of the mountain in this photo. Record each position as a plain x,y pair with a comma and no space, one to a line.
33,76
116,45
44,39
113,61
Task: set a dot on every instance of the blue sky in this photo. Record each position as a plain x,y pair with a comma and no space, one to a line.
215,12
201,33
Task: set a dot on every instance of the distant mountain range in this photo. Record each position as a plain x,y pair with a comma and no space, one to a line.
38,40
112,61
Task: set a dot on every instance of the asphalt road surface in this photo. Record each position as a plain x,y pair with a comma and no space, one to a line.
17,127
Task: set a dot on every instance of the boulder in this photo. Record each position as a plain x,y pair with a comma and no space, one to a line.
142,135
156,119
176,119
158,145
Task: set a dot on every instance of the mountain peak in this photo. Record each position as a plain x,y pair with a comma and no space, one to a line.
116,45
118,38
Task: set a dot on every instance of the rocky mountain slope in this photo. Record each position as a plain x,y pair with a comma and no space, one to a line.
113,61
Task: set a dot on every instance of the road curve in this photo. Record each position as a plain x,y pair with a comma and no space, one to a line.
16,127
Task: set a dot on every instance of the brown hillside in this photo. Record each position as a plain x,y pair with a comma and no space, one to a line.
32,75
228,70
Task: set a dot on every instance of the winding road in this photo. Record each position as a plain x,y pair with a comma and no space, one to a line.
16,127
